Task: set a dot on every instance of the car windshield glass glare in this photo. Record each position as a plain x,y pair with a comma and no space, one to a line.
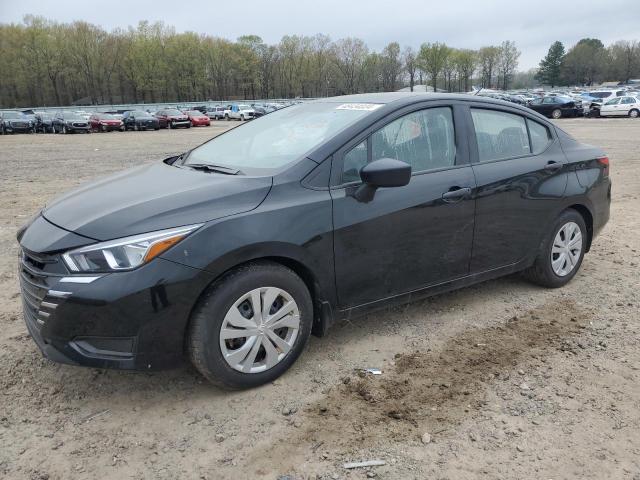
274,140
194,112
173,112
72,116
106,116
600,94
139,113
13,115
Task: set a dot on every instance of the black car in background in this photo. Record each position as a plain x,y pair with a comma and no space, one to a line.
556,107
139,120
44,122
70,122
232,253
15,122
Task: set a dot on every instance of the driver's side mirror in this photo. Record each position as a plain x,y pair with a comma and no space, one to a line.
386,172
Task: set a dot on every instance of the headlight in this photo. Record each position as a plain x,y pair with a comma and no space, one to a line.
125,253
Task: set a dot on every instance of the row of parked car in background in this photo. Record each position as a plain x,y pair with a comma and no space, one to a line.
605,102
65,121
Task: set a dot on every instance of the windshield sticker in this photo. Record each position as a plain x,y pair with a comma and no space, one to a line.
359,106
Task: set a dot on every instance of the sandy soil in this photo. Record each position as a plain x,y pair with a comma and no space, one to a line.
509,380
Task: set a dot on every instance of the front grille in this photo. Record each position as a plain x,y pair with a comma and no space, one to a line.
37,302
19,124
79,124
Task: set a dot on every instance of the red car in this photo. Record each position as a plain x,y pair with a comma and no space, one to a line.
104,122
198,118
172,118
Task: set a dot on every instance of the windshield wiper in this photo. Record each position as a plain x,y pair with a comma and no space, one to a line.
207,167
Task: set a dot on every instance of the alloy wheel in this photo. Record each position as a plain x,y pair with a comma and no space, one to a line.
556,114
259,330
633,113
566,250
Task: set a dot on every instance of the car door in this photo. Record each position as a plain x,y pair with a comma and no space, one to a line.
404,238
521,175
626,103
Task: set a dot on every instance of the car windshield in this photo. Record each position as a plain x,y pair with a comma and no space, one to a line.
139,113
72,116
244,107
106,116
194,113
46,116
173,112
600,94
13,115
275,140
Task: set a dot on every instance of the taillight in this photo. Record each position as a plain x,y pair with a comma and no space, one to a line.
604,161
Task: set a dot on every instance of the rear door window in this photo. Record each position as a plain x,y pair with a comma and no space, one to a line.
500,135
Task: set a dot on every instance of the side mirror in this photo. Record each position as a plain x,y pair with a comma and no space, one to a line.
386,172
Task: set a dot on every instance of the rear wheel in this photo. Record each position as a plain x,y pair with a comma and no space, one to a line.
557,113
561,253
64,129
250,326
634,113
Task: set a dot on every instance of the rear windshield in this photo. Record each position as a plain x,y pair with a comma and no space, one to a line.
279,138
599,94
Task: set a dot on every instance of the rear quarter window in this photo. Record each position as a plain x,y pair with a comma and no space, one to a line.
540,137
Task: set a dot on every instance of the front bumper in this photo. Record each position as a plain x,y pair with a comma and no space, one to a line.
125,320
18,128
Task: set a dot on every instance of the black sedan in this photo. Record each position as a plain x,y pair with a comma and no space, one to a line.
15,122
139,120
556,107
233,253
44,122
70,122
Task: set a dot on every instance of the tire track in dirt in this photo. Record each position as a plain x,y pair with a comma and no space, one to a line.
426,391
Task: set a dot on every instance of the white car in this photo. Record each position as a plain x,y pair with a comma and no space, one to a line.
621,106
240,112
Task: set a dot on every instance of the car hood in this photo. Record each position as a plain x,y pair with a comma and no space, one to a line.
154,197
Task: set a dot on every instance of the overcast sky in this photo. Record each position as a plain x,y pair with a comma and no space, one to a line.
534,25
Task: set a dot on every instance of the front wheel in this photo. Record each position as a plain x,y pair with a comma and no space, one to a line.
561,253
634,113
250,326
557,113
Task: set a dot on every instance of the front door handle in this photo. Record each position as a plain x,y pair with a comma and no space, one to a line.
552,166
455,194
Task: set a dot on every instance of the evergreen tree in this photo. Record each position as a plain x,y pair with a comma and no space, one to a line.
550,65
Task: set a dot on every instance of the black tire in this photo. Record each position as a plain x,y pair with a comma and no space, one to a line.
227,118
557,113
541,272
207,318
634,113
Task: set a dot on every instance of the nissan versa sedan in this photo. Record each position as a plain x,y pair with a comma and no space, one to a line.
233,253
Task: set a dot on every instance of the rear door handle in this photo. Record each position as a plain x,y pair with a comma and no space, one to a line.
552,166
455,194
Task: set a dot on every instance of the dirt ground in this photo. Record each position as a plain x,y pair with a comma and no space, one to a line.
509,380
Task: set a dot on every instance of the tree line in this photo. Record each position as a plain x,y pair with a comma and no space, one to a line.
589,62
46,63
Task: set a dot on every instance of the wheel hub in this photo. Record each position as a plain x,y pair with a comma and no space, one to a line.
259,329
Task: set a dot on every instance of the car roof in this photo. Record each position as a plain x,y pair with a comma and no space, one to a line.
393,101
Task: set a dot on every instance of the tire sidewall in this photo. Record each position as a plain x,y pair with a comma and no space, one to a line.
209,316
563,219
